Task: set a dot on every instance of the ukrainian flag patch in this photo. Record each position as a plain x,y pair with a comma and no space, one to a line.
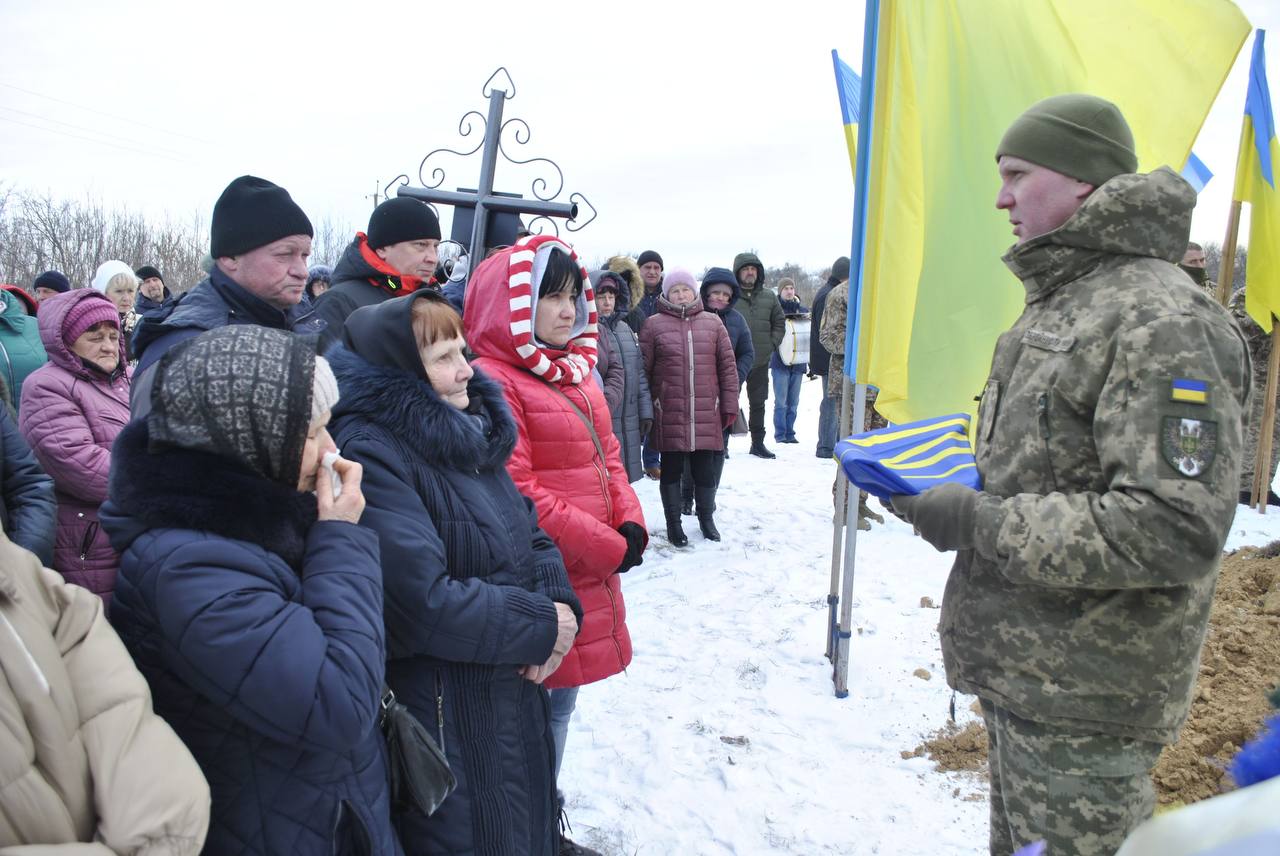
1189,391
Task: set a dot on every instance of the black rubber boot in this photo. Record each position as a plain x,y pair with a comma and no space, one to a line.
706,510
670,494
758,448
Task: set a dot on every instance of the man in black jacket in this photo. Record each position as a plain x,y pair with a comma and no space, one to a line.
397,256
820,361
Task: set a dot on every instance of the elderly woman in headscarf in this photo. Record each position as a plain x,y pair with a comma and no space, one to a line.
249,596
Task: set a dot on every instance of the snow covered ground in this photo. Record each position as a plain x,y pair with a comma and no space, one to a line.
724,735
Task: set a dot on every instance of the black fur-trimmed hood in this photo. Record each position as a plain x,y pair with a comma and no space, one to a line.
176,488
409,408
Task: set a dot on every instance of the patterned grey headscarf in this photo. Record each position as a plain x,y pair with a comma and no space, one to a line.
243,392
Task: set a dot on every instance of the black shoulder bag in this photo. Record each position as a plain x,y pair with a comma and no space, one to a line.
417,767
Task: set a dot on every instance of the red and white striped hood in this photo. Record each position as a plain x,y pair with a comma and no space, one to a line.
500,304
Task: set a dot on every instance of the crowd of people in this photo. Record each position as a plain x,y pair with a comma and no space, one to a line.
463,553
301,496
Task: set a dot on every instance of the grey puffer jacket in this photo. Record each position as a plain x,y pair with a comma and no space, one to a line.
636,404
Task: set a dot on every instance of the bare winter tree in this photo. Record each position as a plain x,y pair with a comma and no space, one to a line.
1213,263
39,233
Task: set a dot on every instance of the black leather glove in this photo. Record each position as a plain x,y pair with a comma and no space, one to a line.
636,538
810,375
945,515
645,426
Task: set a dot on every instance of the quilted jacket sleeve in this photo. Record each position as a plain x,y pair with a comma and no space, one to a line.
127,744
56,427
552,579
28,493
309,672
427,610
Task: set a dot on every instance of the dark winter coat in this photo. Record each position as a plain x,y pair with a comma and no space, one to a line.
636,404
145,304
819,356
692,376
71,415
744,351
28,511
609,372
215,302
761,309
582,496
21,351
260,632
360,278
471,583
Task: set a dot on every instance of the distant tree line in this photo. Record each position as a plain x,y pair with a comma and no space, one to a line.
40,232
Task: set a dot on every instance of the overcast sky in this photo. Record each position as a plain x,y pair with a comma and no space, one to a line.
694,131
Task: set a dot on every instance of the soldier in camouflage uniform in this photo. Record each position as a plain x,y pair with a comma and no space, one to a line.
1108,440
1192,265
831,335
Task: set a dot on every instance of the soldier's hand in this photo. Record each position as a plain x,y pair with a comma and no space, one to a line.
943,515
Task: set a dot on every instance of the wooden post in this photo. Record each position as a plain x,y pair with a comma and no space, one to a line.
1227,269
1262,465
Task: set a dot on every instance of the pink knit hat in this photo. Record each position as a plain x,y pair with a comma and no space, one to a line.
87,312
678,276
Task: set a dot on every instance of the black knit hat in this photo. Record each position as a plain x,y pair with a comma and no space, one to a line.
53,279
147,272
252,212
650,256
401,219
840,269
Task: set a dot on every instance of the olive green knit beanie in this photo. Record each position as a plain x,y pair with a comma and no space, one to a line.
1081,136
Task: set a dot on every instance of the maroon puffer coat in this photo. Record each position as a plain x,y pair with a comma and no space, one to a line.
688,359
71,415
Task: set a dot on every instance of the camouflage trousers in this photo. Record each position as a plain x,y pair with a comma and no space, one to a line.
1081,793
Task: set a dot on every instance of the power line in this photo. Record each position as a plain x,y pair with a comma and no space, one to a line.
92,140
130,140
129,119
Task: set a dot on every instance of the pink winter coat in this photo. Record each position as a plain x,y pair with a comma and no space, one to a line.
71,415
581,497
692,376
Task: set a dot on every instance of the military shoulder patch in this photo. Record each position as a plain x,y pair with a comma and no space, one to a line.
1188,445
1189,391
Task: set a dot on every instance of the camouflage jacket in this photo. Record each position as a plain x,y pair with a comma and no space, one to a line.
1108,439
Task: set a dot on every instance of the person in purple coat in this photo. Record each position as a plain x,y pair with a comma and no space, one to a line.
693,378
72,409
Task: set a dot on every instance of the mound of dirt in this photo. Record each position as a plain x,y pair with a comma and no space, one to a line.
1238,668
954,748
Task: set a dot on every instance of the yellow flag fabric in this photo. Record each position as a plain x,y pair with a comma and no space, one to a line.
951,75
1257,167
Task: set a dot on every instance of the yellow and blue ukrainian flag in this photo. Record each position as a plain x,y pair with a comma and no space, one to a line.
849,88
1256,184
909,459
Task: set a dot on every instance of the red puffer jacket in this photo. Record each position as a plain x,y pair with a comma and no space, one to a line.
581,498
692,376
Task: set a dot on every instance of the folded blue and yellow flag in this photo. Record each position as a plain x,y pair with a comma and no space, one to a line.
909,459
